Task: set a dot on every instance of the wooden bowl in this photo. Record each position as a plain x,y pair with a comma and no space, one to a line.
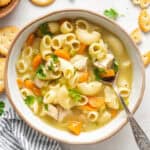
4,11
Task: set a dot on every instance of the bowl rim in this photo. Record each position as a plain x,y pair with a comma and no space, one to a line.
98,140
13,4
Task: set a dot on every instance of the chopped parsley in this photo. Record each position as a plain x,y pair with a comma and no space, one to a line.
39,99
55,58
97,72
73,52
97,75
2,106
75,95
101,70
115,66
46,107
51,67
111,13
29,100
43,28
40,73
54,61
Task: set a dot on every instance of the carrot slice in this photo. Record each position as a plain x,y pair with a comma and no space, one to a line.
87,107
96,102
108,73
84,77
82,48
37,60
113,112
36,91
75,127
62,54
30,85
30,39
20,83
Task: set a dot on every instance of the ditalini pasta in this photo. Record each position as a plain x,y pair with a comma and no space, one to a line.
66,27
82,24
27,52
98,50
22,66
92,116
45,46
69,37
57,42
60,74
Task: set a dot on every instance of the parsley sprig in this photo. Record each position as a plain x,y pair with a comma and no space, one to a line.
46,107
2,106
29,100
55,58
111,13
51,66
115,66
40,73
97,72
75,95
44,30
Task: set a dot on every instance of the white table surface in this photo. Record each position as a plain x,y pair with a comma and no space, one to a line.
26,12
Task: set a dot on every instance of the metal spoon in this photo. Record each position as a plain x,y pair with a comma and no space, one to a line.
141,139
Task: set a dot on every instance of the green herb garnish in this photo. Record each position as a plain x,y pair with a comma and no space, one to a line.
51,67
75,95
40,73
101,70
97,74
29,100
55,58
43,28
39,99
2,106
73,52
111,13
115,66
46,107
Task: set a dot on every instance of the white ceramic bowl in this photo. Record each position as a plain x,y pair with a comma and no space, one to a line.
84,138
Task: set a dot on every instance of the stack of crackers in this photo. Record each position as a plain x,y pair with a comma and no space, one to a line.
7,35
144,26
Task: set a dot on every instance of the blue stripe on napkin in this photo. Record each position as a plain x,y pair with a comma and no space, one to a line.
15,134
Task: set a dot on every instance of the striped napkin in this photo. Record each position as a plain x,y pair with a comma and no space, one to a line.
15,134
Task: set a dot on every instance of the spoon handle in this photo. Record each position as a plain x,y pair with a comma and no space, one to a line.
141,139
139,135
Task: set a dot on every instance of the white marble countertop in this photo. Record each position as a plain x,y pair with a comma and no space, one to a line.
26,12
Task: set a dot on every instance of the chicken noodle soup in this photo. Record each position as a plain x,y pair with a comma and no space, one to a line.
60,72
